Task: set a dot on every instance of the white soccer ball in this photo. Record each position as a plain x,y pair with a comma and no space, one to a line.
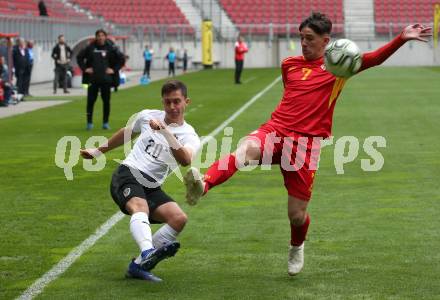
342,58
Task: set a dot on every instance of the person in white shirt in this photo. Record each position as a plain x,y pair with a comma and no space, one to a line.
165,141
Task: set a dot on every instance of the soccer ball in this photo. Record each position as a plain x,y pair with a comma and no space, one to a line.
342,58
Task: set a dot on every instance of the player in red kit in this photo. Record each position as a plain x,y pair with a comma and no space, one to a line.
292,136
240,49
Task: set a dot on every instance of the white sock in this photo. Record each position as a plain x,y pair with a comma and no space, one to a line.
141,231
163,235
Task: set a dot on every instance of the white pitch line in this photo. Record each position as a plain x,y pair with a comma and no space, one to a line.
249,79
37,287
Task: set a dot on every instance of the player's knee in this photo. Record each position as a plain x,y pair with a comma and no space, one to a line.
248,153
182,218
297,218
178,221
253,153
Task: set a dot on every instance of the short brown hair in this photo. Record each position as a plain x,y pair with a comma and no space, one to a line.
174,85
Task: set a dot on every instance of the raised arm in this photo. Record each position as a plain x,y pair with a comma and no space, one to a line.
116,140
412,32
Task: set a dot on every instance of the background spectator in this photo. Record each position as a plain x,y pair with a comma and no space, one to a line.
240,49
42,9
148,57
185,60
61,54
100,62
21,59
4,80
28,71
171,57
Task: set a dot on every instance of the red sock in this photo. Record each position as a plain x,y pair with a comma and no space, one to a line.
220,171
298,233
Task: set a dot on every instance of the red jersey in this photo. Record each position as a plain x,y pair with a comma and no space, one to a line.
240,49
309,98
310,92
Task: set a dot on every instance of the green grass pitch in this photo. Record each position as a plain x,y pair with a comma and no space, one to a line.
374,235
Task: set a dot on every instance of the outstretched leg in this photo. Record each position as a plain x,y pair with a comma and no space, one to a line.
196,186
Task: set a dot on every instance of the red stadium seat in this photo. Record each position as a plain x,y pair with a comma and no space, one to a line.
137,11
400,13
280,12
30,7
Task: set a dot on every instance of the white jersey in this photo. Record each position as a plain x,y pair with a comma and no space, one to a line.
151,152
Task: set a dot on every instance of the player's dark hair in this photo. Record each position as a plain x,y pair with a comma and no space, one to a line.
61,35
174,85
318,22
100,31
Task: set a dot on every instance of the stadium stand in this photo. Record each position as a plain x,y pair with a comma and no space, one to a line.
401,12
251,12
56,9
130,12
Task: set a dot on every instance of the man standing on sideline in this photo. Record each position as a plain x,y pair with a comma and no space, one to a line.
21,59
100,62
185,60
240,49
148,57
166,141
28,73
61,54
171,57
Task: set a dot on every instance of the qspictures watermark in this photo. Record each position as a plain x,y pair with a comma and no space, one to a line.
346,150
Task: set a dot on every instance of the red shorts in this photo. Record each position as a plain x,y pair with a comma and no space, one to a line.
297,155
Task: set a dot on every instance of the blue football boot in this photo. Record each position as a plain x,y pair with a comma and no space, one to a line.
135,271
150,258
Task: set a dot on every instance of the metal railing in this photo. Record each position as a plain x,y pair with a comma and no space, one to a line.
46,30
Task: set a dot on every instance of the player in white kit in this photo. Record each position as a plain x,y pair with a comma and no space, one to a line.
165,141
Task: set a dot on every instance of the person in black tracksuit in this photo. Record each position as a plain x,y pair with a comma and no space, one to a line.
185,60
42,9
100,62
